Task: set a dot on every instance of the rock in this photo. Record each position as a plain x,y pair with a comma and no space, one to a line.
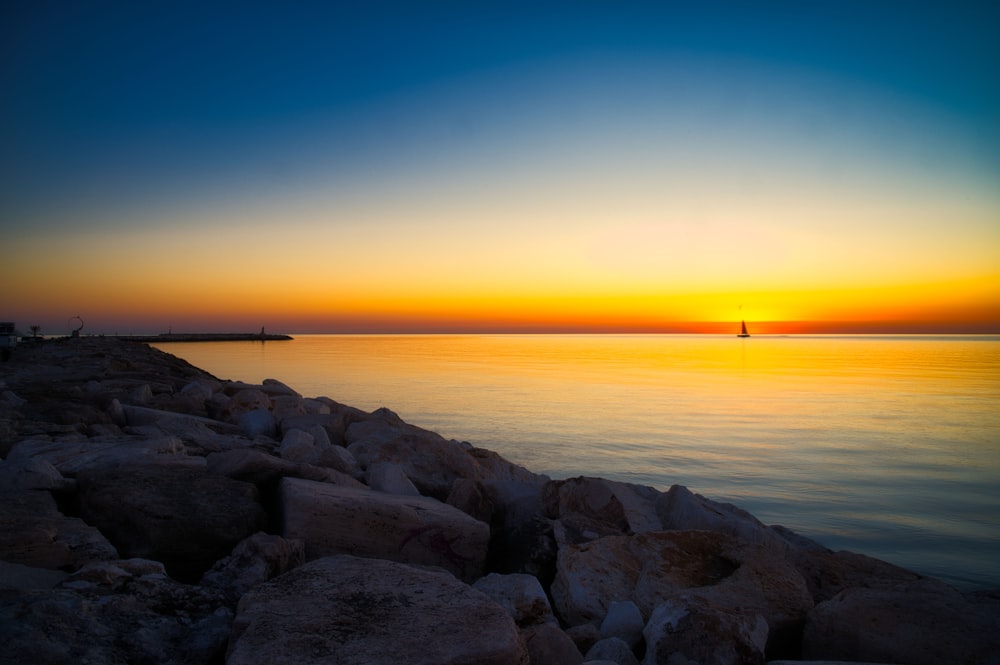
585,636
521,595
322,452
590,498
24,578
828,573
918,622
623,507
335,424
141,394
523,540
576,529
613,650
355,611
115,575
117,413
187,427
258,422
275,387
10,399
320,436
701,632
201,389
547,644
299,446
472,498
127,617
287,406
334,519
71,457
623,621
33,473
430,461
390,477
650,568
681,509
254,561
266,470
246,399
34,533
340,459
316,407
186,518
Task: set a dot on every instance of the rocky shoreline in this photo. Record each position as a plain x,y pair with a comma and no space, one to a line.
153,513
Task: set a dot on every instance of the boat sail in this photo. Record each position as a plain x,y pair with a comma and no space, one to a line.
743,331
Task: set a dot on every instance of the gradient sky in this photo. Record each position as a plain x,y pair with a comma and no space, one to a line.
460,166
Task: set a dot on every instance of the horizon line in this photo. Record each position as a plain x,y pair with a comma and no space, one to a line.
756,328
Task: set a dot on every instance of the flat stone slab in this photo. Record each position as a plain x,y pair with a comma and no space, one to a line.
353,611
335,519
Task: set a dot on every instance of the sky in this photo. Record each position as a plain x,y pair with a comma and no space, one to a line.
510,167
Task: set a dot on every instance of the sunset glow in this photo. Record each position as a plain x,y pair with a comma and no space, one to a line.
495,169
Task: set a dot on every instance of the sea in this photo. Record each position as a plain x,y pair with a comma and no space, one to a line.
884,445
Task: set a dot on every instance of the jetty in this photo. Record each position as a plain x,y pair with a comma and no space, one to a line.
204,337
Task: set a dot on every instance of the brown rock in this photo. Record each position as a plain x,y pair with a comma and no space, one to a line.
186,518
704,633
334,519
651,568
34,533
353,611
828,573
257,559
126,612
547,644
922,622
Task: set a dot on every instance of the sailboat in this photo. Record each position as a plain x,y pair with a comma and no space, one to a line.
743,330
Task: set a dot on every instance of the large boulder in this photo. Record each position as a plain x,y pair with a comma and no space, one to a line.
33,532
547,644
71,456
624,621
430,461
521,595
331,416
390,477
354,611
115,612
622,507
334,519
918,623
704,633
828,573
197,433
691,566
680,508
186,518
245,398
265,470
33,473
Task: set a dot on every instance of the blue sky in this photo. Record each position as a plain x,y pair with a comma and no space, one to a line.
420,118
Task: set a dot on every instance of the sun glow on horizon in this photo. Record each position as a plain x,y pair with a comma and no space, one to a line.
656,176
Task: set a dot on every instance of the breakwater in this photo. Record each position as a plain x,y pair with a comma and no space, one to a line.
204,337
152,512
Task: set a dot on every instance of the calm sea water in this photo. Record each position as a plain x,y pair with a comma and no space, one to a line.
888,446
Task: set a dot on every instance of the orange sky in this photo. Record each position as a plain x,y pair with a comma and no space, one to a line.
648,170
